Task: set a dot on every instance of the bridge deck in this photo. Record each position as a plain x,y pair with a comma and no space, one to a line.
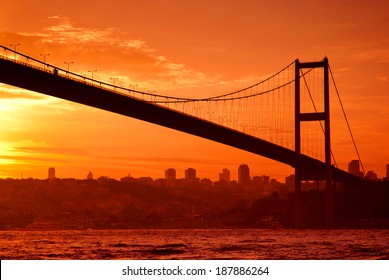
50,83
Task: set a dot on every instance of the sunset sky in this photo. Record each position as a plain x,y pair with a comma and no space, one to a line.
185,48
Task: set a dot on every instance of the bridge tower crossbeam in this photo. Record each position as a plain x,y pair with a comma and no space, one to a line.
303,173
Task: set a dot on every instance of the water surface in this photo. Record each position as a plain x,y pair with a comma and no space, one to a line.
195,244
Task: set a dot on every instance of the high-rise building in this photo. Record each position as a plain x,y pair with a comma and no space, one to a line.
225,175
290,181
190,177
170,175
51,173
190,174
244,175
353,168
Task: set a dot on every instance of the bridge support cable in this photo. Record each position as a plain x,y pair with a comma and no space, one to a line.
316,111
258,110
346,119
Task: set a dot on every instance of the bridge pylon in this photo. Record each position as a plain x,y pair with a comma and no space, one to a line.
302,172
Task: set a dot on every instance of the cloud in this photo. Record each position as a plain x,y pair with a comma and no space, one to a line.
38,152
9,95
8,92
132,60
117,53
49,150
17,98
64,32
374,51
166,160
47,153
31,159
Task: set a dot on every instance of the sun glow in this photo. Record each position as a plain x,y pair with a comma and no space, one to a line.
6,151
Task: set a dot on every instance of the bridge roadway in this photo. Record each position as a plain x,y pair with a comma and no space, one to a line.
46,82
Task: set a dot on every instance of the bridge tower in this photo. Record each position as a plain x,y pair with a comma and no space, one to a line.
301,173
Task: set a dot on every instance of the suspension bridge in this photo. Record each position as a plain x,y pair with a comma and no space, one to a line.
284,117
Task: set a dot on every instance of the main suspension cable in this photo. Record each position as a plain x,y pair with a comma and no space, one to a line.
348,125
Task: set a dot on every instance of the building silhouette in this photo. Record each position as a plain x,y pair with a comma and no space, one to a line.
89,176
244,178
353,168
205,182
371,176
51,173
190,174
170,176
190,177
290,181
225,175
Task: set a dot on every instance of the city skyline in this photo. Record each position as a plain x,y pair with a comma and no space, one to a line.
242,173
77,139
169,174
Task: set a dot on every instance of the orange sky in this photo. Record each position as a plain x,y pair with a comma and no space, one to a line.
200,48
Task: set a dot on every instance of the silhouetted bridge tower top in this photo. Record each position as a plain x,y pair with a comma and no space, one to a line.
263,119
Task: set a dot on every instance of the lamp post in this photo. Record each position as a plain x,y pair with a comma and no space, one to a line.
114,80
133,89
68,63
14,46
92,71
44,57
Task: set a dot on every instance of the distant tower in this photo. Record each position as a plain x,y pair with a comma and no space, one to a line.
170,176
353,168
244,175
190,174
89,176
51,175
225,175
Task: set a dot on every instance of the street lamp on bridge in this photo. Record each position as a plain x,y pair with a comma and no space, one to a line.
14,46
68,63
44,57
92,71
114,81
132,88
